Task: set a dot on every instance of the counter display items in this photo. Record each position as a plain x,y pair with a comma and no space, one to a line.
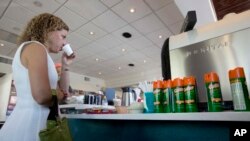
239,89
214,96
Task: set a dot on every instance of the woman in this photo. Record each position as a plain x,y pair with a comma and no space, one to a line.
35,77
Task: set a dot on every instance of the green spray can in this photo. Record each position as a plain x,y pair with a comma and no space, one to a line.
178,93
190,94
239,90
158,96
167,96
214,95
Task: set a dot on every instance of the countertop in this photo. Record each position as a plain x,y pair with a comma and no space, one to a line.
199,116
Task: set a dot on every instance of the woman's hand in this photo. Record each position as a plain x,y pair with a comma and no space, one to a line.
61,94
67,60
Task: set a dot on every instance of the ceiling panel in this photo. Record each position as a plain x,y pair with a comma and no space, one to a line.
176,27
157,4
72,19
77,40
18,13
91,27
109,41
140,43
6,47
11,26
141,10
94,48
120,49
110,3
88,9
40,6
170,14
159,36
148,24
3,6
109,21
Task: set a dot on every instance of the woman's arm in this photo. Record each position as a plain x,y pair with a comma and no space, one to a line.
64,79
34,58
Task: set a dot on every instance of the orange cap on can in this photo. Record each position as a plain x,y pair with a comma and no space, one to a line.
167,84
236,73
177,82
211,77
157,84
190,80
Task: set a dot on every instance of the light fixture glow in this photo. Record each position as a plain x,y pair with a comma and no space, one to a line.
123,49
97,59
119,68
91,33
1,44
132,10
160,36
99,73
144,61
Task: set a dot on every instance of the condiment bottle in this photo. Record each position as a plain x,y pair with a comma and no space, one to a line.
239,90
214,96
157,90
178,90
167,96
190,94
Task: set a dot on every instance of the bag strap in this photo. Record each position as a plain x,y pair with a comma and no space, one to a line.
53,114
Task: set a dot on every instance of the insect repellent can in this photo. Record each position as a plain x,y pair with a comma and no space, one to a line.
190,94
167,96
239,90
214,97
178,91
157,90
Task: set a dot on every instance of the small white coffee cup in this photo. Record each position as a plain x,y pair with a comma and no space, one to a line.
67,49
117,102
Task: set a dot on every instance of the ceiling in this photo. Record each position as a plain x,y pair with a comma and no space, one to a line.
108,19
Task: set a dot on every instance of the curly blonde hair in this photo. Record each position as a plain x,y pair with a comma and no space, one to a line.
39,27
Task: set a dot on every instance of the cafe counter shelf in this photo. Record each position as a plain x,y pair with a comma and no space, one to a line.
205,126
199,116
195,116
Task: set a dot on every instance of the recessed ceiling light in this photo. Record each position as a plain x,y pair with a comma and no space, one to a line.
144,61
160,36
91,33
132,10
97,59
99,73
37,3
1,44
123,49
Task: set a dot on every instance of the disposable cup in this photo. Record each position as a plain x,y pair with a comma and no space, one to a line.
67,49
117,102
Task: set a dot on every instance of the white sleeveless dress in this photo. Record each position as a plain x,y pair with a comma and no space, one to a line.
28,117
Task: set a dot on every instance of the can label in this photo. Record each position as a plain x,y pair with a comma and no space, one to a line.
240,94
179,99
158,100
167,100
214,97
190,98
